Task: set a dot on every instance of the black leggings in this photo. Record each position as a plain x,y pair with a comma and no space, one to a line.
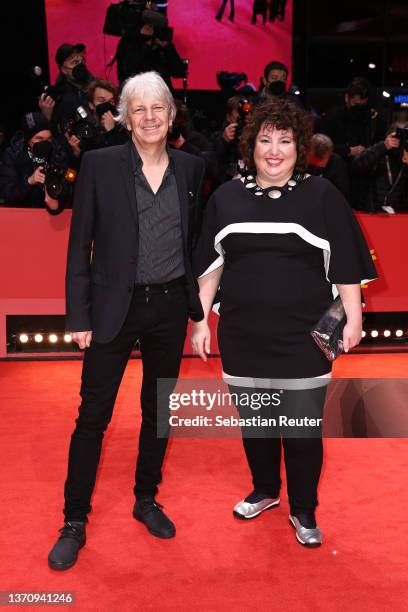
301,439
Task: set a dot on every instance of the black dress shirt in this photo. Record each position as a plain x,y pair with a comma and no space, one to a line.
160,257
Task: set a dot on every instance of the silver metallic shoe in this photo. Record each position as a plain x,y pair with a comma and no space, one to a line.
308,537
247,510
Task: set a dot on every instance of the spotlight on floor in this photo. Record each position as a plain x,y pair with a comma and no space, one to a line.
23,338
53,338
363,334
387,333
374,333
67,338
38,338
399,333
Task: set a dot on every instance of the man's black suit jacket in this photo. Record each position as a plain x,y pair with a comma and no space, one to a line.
103,242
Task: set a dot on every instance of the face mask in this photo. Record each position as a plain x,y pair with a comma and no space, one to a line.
277,88
104,107
358,112
80,73
42,149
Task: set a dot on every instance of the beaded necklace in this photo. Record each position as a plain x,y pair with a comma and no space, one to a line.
274,193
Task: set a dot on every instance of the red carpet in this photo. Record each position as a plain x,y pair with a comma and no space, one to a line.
215,562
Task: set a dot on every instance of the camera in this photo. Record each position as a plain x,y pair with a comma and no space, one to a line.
82,126
402,135
58,181
51,90
244,107
104,107
230,80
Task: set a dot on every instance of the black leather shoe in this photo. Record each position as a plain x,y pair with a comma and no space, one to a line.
150,513
65,551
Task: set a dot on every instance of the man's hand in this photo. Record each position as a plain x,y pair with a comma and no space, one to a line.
74,142
161,43
391,142
229,132
82,338
50,202
147,30
354,151
107,121
46,105
37,177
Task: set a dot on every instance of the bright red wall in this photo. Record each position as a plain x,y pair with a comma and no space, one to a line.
211,46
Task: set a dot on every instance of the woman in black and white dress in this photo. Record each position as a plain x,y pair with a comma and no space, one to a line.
280,244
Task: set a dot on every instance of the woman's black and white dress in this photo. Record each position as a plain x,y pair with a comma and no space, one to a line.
282,258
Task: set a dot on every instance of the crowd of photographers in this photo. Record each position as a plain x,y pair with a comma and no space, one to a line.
352,147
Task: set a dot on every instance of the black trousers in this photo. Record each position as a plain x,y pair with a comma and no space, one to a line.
158,318
302,445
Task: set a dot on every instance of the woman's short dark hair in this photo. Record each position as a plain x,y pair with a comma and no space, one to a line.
281,114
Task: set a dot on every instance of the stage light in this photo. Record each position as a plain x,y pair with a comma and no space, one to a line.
351,60
387,333
38,338
23,338
53,338
371,66
363,334
374,333
386,94
399,333
296,92
67,338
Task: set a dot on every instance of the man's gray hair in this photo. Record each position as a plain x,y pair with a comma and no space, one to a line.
141,85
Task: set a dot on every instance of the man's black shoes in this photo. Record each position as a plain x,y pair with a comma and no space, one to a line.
65,551
150,513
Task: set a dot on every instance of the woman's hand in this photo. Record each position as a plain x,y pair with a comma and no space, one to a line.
201,338
351,335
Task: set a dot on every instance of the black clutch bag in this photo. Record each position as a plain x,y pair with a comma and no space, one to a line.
328,331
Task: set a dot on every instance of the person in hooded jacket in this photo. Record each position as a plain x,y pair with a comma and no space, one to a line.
24,164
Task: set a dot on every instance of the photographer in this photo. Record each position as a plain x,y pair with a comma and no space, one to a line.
70,89
354,125
31,155
184,137
143,48
226,141
383,172
103,98
275,82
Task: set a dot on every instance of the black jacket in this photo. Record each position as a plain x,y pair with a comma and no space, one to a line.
134,55
346,132
373,172
105,220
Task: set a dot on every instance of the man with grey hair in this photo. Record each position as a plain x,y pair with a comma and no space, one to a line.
324,162
135,217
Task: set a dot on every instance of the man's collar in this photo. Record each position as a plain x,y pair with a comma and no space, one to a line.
137,162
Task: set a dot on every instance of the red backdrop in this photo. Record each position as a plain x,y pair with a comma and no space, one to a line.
210,45
33,254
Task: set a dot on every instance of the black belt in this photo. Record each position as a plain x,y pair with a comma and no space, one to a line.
160,287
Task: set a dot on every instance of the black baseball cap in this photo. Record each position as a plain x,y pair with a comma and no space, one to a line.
65,50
